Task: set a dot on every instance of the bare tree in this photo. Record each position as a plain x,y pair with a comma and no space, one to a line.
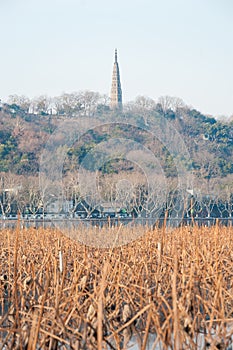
144,105
89,192
68,103
6,201
71,191
10,186
19,126
208,171
170,103
22,101
28,196
41,104
226,196
89,100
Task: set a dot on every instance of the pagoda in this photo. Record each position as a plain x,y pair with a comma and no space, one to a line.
116,93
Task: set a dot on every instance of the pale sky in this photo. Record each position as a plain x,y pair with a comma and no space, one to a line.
180,48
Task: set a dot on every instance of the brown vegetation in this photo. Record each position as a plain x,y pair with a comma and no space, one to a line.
57,293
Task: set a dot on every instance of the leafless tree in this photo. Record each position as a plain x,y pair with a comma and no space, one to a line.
89,101
68,103
71,191
89,192
10,186
208,171
19,126
225,195
28,195
21,101
41,104
144,105
167,103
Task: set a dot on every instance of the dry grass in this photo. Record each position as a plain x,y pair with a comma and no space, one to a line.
56,293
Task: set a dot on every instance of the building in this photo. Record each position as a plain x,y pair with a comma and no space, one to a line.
116,92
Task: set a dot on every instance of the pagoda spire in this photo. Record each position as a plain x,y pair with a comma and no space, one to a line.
115,55
116,92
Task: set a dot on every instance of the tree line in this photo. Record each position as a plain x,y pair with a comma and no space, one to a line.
27,195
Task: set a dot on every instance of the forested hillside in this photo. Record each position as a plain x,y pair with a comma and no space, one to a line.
138,183
26,125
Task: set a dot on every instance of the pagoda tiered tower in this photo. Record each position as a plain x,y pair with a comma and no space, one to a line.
116,93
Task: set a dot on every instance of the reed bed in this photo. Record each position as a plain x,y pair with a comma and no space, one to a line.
57,293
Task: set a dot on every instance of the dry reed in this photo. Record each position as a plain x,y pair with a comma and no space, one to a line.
56,293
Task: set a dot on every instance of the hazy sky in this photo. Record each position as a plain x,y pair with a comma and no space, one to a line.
180,48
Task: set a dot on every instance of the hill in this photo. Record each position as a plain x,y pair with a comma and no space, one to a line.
23,135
